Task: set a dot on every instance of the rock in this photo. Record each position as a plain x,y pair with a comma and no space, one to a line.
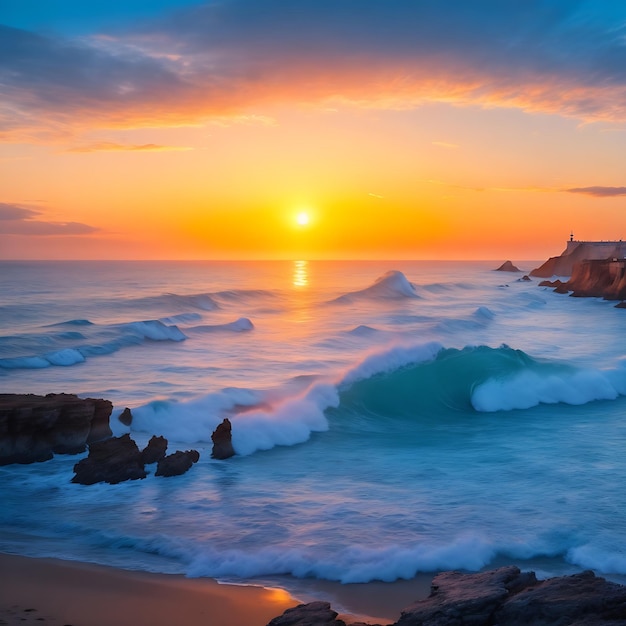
576,251
311,614
112,461
525,277
126,417
177,463
222,441
621,305
34,428
579,599
551,283
155,450
458,598
505,596
507,266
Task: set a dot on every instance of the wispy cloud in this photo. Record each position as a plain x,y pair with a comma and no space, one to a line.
17,219
107,146
445,144
600,192
225,58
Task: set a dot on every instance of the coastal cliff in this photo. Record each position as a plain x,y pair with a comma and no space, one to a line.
34,428
577,251
598,279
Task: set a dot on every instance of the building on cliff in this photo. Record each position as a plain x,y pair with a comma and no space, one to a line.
577,251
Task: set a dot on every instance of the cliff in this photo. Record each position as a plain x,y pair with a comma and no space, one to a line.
600,279
34,428
576,251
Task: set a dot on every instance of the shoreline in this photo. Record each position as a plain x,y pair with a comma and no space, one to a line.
72,593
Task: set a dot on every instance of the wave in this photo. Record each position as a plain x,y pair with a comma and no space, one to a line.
391,285
243,324
430,380
124,335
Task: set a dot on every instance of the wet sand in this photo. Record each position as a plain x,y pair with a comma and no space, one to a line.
58,593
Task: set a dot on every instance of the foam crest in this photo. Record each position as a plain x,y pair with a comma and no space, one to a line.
391,285
356,564
193,421
155,331
290,422
531,387
392,359
590,557
243,324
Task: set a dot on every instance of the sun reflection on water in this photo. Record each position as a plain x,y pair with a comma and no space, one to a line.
300,274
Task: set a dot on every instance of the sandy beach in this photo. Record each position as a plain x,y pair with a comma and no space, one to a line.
58,593
61,593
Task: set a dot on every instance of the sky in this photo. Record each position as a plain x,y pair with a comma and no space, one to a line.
310,129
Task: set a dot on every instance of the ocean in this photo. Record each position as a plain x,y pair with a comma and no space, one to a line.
390,418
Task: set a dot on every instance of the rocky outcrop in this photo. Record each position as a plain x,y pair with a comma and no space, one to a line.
34,428
155,450
505,596
507,266
177,463
111,461
222,441
312,614
126,417
600,279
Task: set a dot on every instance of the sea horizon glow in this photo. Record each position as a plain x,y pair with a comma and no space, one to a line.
190,130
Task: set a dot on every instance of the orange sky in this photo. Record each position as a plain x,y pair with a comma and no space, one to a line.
203,135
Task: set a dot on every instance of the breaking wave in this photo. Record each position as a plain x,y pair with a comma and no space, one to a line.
391,285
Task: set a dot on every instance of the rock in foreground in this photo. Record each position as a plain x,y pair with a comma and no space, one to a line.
222,441
111,461
34,428
177,463
502,597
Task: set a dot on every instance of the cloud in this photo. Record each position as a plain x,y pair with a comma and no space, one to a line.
600,192
445,144
235,57
107,146
18,220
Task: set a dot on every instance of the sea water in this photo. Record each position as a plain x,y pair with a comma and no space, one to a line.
389,418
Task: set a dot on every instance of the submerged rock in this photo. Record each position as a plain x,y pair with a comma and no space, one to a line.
111,461
222,441
311,614
34,428
177,463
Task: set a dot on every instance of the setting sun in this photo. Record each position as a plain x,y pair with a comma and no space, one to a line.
303,219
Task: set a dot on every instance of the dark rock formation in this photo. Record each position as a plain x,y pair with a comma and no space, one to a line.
505,596
34,428
621,305
112,461
155,450
311,614
551,283
126,417
507,266
177,463
525,277
222,441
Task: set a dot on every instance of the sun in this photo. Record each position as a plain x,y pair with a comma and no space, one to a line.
303,218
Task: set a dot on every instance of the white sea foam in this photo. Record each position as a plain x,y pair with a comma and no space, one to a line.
390,359
391,285
530,388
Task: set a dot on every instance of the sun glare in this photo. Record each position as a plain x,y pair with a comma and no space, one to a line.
302,218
